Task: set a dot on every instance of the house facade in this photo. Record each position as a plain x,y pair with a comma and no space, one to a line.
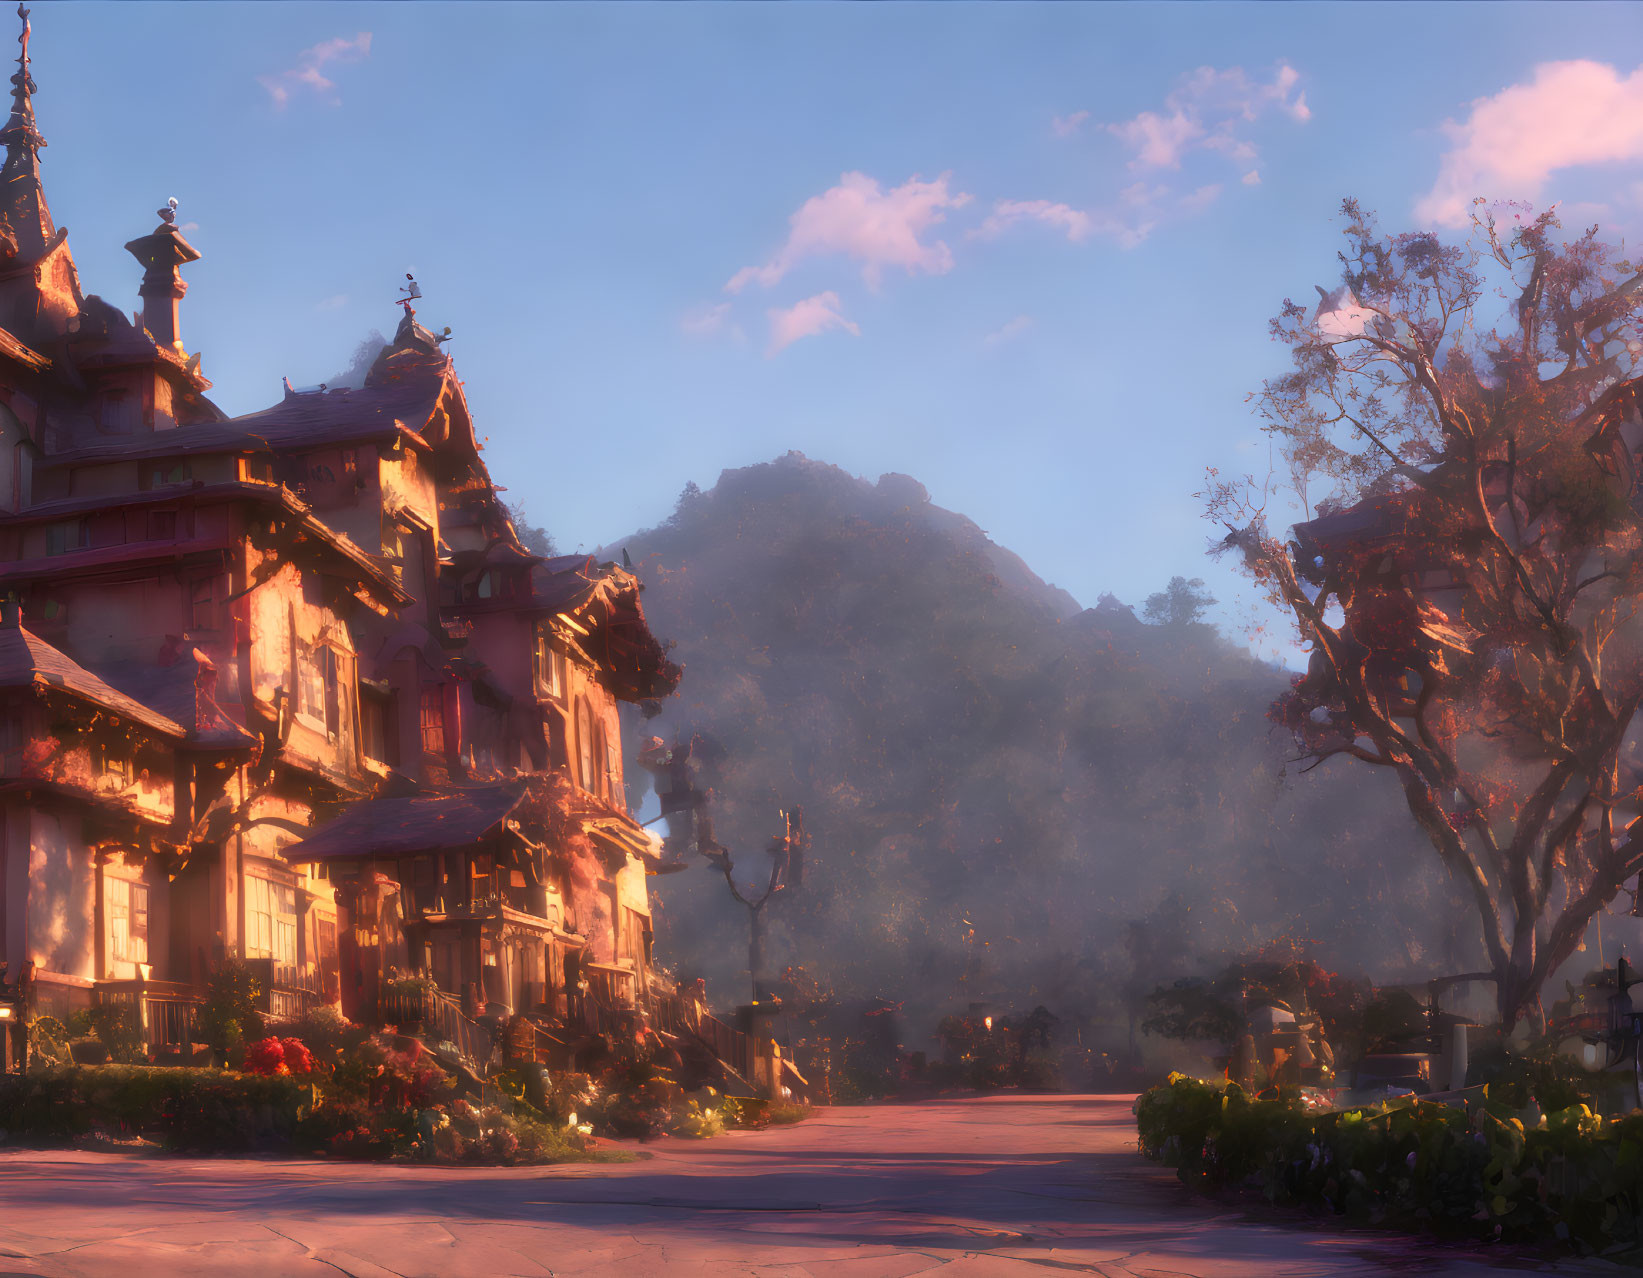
287,687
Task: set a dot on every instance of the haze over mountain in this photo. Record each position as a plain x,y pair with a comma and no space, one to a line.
997,782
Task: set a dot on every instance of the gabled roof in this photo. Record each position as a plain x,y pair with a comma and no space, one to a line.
28,661
404,826
313,419
176,691
603,602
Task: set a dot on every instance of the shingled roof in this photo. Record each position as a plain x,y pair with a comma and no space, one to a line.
304,419
405,826
28,661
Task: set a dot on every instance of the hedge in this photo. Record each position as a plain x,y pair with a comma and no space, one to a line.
1572,1176
196,1109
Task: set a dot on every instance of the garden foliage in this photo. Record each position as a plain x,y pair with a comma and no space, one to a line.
1570,1176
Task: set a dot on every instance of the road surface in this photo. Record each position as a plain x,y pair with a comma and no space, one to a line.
1009,1185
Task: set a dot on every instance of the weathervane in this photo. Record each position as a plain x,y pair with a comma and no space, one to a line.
168,214
412,292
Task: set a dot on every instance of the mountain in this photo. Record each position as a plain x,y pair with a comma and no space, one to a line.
1009,797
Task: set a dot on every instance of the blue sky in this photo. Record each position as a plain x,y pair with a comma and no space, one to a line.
1016,251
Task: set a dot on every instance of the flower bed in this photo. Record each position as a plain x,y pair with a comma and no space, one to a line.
1572,1176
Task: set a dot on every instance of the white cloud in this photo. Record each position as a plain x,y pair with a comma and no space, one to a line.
859,220
307,76
1210,110
814,315
1009,331
1568,115
333,303
1252,178
1064,126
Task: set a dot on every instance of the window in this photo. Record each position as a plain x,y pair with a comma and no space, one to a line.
315,671
329,972
65,537
118,412
350,463
373,725
550,667
271,922
612,740
433,721
163,476
585,745
127,920
114,763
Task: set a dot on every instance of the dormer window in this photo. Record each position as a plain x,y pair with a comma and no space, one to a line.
119,412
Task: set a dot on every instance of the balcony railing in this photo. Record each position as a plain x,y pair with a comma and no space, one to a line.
165,1009
288,990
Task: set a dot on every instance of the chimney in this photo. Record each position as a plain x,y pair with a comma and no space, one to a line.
161,253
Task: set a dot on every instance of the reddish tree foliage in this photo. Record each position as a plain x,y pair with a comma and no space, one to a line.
1468,581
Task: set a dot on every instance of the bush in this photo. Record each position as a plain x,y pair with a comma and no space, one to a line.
326,1033
117,1027
186,1108
637,1098
1416,1164
229,1015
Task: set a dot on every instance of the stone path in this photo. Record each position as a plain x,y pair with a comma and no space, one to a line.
1012,1185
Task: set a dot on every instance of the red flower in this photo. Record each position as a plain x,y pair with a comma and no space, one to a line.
267,1056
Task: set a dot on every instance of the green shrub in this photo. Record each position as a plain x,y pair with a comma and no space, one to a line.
203,1109
1574,1177
118,1028
229,1015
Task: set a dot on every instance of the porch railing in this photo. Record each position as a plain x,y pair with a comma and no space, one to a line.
166,1010
287,990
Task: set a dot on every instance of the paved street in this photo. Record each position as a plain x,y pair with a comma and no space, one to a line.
995,1185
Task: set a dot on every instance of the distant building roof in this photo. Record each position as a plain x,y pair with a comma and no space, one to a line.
26,660
404,826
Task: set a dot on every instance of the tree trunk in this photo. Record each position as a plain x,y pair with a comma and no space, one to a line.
755,947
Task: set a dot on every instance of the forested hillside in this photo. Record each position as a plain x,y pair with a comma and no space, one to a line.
1010,799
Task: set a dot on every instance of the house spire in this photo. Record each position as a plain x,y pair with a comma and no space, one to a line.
22,200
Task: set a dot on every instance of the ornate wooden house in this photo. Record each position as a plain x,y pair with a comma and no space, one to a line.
287,686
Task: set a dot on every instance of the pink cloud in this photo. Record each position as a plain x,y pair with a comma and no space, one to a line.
859,220
814,315
1568,115
307,74
1129,224
1077,224
1209,110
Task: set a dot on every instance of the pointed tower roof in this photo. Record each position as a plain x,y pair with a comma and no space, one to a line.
22,199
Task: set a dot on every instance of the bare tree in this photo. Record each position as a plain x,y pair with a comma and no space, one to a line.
1461,429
